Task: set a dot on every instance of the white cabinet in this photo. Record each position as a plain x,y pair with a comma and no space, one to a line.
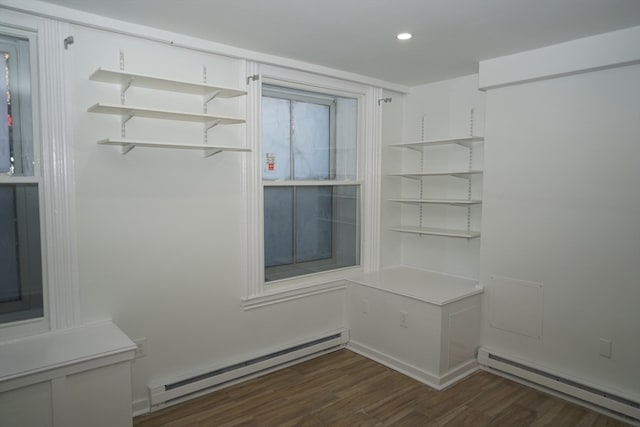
418,322
73,378
421,199
208,92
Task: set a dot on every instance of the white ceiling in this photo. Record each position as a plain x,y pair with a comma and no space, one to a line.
450,36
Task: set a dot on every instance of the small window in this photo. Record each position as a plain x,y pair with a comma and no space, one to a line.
311,196
21,288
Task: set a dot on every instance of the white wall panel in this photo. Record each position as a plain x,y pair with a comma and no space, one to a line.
159,235
562,208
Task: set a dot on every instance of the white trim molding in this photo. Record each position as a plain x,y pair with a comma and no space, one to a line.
57,169
55,163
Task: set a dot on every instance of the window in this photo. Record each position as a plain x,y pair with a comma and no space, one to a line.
310,187
21,281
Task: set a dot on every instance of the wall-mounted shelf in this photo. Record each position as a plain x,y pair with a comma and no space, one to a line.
431,231
421,199
128,111
460,202
416,145
208,150
419,175
127,80
208,92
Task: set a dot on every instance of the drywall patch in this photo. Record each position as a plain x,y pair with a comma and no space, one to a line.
515,305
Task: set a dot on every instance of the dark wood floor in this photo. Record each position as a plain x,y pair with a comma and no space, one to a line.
346,389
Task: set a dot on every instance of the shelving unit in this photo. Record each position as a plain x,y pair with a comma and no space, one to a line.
126,80
418,145
461,202
422,146
432,231
129,144
127,112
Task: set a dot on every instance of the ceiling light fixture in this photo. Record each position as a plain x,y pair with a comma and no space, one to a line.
404,36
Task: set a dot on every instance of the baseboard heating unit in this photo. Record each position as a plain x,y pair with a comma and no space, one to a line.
196,384
587,395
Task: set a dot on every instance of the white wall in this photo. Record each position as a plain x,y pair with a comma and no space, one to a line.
562,209
158,230
446,107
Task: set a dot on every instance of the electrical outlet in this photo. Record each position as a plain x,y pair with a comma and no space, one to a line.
141,350
404,319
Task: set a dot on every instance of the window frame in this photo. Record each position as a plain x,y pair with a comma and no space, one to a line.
53,172
19,313
294,95
254,292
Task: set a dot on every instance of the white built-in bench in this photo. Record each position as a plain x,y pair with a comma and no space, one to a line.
421,323
74,377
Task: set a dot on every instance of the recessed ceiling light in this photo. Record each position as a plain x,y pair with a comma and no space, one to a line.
404,36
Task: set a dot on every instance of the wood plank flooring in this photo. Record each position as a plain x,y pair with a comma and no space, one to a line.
346,389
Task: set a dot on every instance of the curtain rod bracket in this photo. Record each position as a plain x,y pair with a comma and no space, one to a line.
67,42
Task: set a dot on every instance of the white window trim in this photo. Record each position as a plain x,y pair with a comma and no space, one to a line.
54,136
254,293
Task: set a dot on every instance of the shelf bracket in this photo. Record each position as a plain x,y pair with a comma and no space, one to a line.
126,118
212,96
127,147
212,124
127,85
208,152
461,175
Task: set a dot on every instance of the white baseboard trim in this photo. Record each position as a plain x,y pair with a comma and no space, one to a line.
437,382
140,407
612,403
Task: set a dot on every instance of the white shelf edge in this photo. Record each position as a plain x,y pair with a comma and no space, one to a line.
437,232
154,82
438,201
464,141
423,174
209,150
153,113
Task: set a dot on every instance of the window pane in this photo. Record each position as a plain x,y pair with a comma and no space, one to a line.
346,139
278,226
276,138
326,220
20,263
311,140
5,151
313,223
16,134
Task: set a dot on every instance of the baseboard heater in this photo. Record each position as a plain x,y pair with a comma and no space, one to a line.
574,390
200,383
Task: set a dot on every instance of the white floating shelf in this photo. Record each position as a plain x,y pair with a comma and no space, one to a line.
466,141
418,175
128,111
126,79
209,150
437,231
462,202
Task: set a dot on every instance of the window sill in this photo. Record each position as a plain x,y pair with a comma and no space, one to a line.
279,295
